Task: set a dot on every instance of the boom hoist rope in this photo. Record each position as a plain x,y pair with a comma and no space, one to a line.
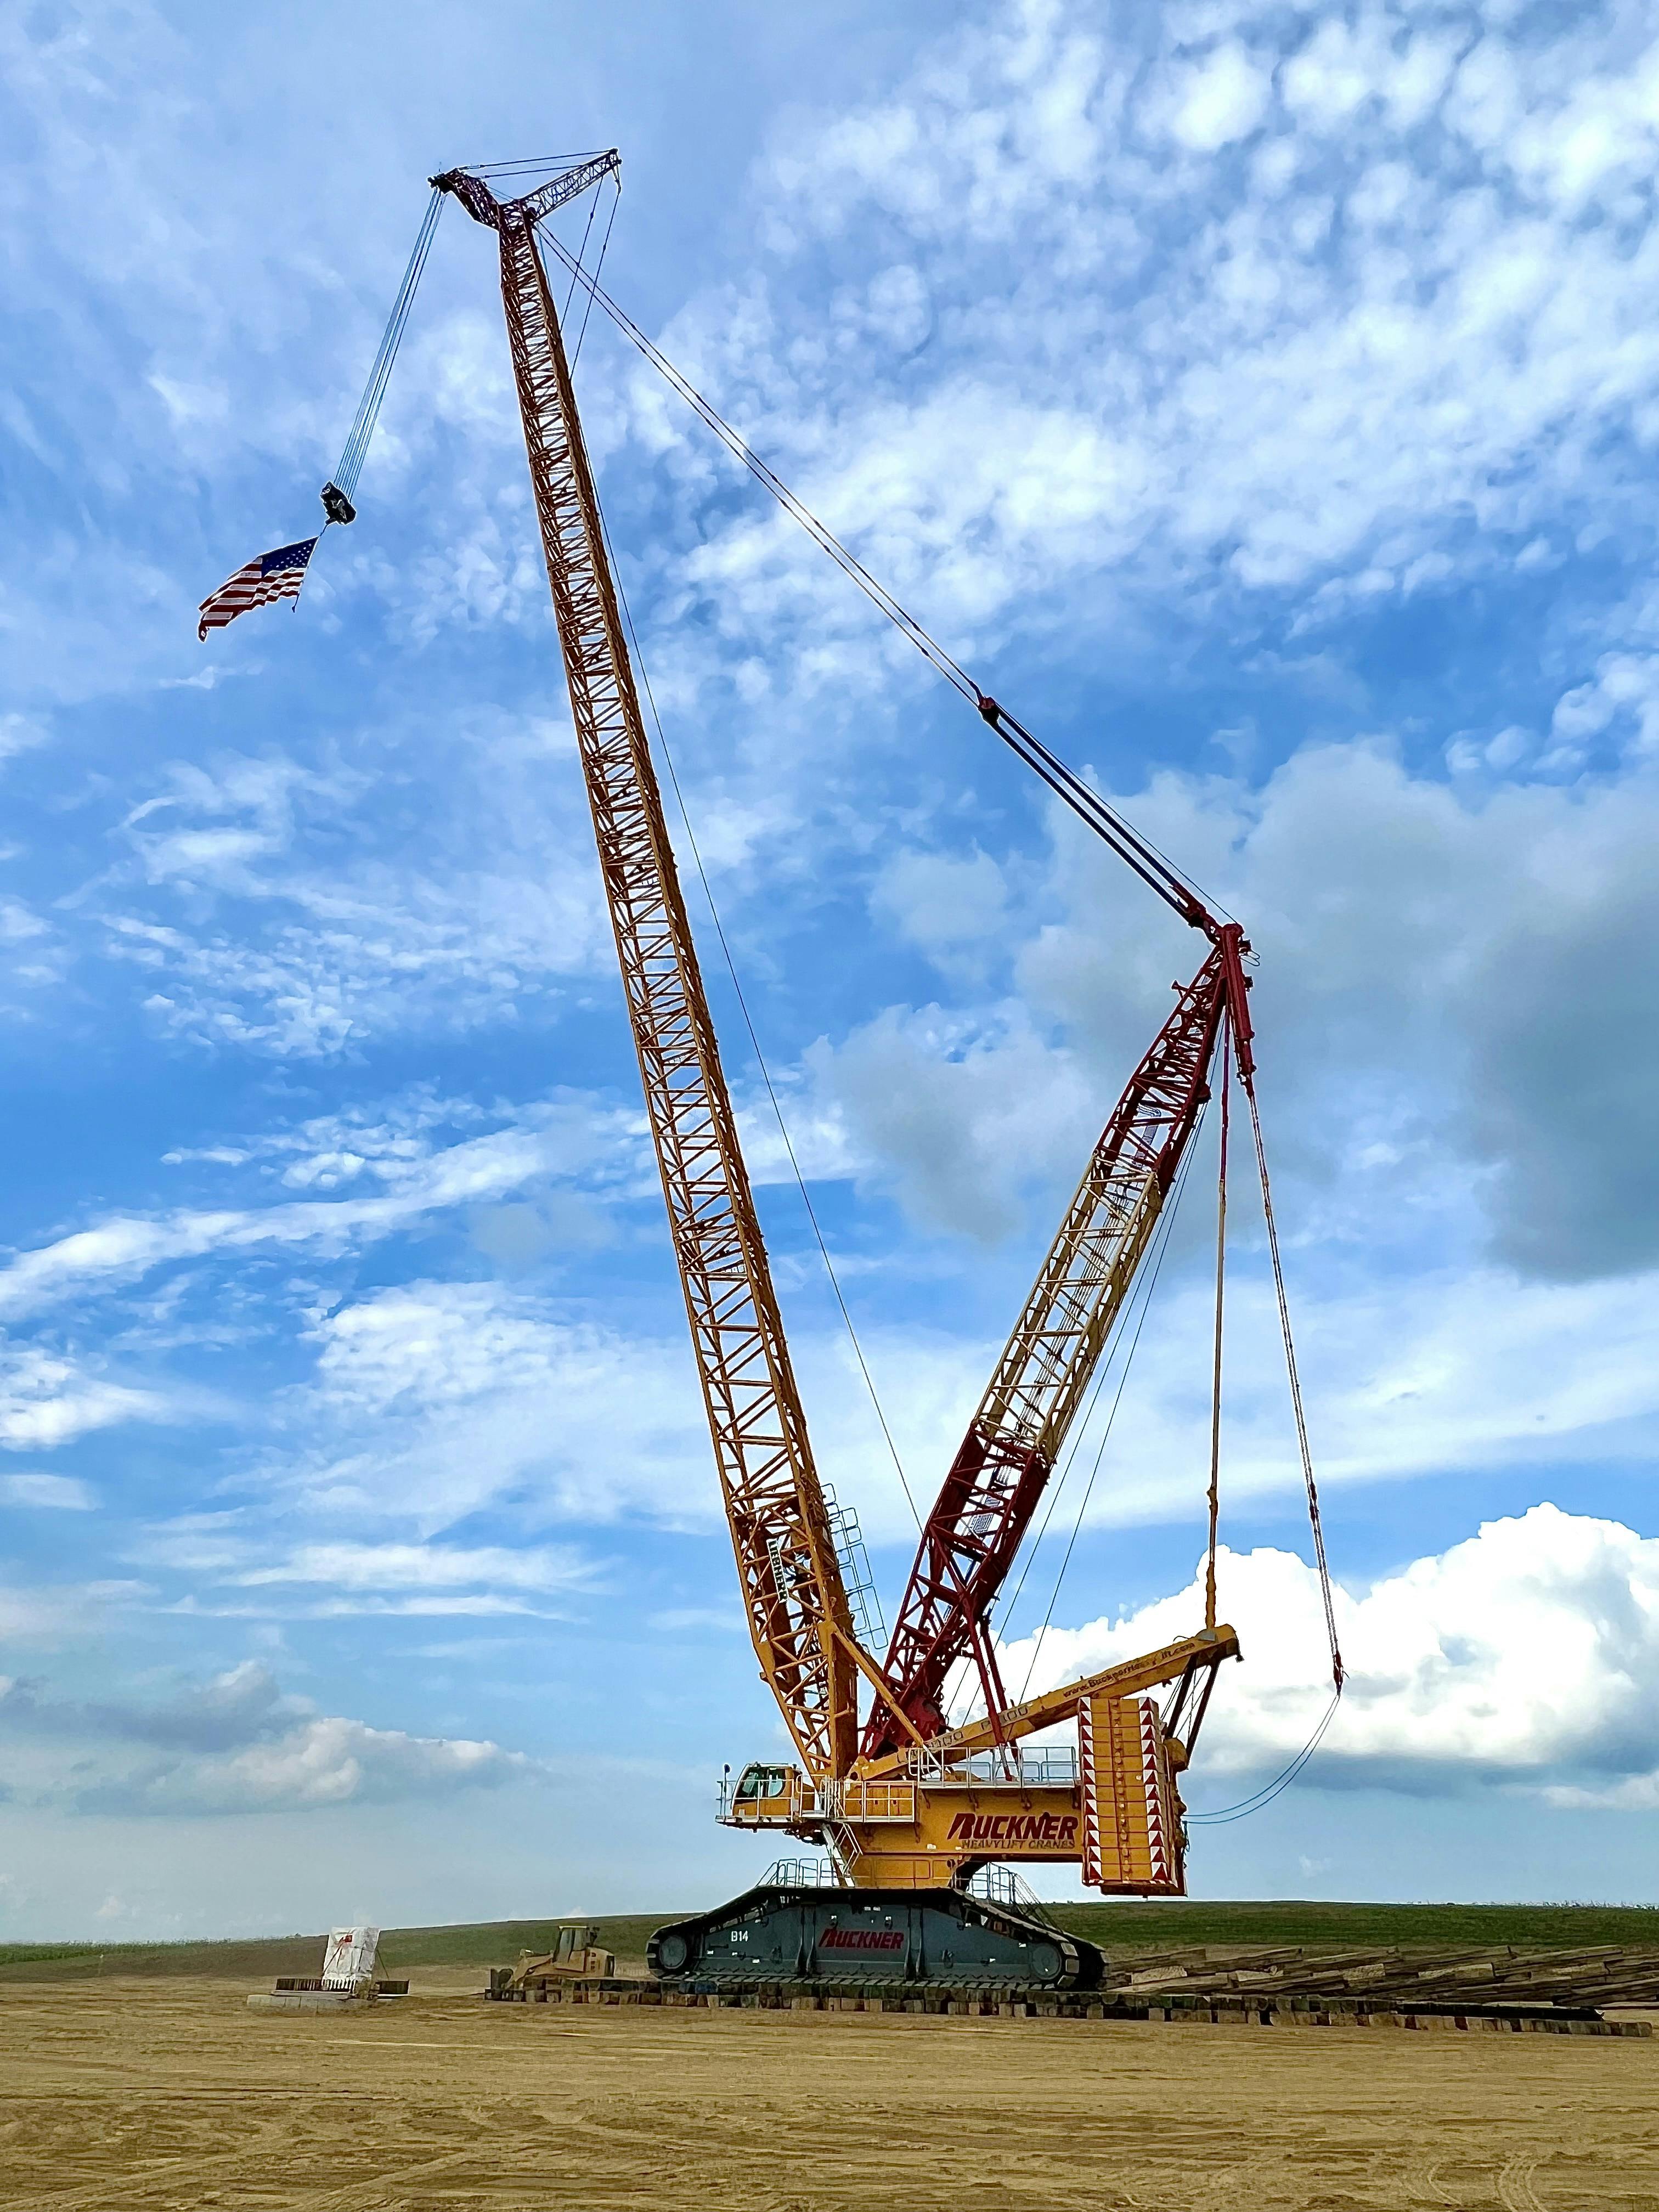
754,1040
1138,853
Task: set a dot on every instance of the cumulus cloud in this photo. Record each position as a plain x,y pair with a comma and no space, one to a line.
1522,1658
234,1744
318,1762
1218,99
939,1106
1445,977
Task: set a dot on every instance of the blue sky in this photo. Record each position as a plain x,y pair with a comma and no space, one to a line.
1262,402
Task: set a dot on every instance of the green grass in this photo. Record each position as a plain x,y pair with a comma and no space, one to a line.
482,1943
1153,1926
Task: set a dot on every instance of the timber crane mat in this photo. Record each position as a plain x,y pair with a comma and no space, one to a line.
812,1948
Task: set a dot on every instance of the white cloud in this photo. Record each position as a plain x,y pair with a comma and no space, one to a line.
416,1179
275,914
1443,975
358,1566
1524,1656
940,1105
49,1398
1386,352
435,1398
234,1744
320,1762
62,1612
1218,99
940,902
59,1493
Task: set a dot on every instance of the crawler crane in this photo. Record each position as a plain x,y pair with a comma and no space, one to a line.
907,1806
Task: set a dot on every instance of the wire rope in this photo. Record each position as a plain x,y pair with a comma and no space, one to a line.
592,200
754,1040
1111,1418
1280,1782
536,162
355,449
604,247
1066,785
1338,1671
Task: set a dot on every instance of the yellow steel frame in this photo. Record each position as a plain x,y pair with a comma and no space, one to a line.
799,1616
798,1611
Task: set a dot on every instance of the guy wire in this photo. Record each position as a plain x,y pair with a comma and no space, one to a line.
1100,1453
748,1023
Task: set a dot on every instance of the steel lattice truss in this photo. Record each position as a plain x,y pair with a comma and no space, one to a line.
786,1562
793,1588
997,1475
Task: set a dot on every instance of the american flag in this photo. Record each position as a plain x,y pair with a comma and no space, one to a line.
271,576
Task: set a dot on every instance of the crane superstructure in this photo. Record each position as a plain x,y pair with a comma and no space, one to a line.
907,1801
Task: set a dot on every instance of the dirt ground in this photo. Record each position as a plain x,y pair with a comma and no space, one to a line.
146,2094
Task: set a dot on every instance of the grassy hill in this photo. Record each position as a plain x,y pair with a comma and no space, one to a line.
1164,1925
403,1950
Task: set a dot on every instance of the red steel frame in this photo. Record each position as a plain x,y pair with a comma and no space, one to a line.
1003,1464
797,1610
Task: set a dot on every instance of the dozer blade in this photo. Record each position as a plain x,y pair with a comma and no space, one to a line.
770,1936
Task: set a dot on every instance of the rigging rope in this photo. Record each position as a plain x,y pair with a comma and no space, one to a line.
362,428
1281,1781
1165,1227
748,1023
604,247
1214,1498
592,209
538,162
1338,1672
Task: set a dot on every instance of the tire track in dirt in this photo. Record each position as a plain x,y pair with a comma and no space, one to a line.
177,2095
1515,2189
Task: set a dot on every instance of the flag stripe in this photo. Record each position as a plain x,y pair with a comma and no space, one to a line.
268,577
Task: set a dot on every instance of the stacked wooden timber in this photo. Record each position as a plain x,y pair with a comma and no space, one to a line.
1574,1980
1174,2005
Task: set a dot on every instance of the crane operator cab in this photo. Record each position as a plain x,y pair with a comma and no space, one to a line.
764,1796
